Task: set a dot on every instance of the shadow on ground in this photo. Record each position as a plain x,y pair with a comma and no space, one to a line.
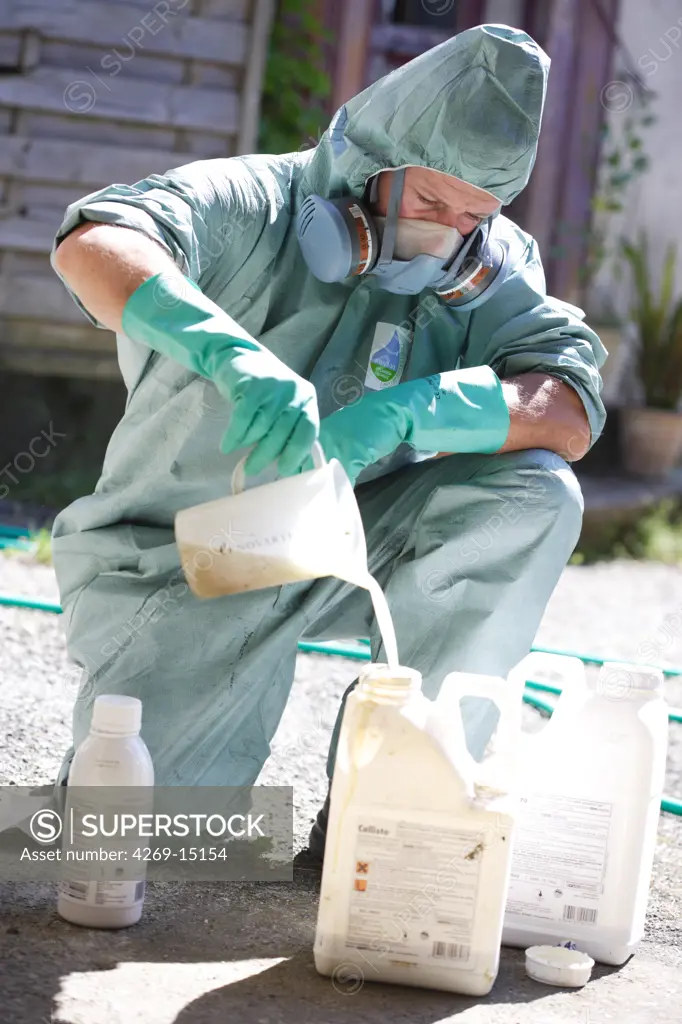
211,954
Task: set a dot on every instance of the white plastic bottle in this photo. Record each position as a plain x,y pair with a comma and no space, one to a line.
418,848
113,755
586,834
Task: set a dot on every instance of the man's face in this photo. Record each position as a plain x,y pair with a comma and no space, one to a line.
430,195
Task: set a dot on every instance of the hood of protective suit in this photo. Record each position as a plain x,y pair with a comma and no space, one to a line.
471,107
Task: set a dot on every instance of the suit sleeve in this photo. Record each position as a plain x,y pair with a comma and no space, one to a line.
208,216
523,330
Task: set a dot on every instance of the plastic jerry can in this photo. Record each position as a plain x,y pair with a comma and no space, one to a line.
591,791
418,848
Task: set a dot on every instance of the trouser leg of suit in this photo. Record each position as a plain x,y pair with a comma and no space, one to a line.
477,566
468,549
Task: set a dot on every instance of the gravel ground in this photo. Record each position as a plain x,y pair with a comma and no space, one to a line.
243,952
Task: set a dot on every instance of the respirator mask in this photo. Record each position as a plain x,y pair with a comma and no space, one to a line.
341,238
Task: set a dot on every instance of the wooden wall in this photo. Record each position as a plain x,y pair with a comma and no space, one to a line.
100,91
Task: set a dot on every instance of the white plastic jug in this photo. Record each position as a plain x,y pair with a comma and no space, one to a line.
418,847
297,528
592,784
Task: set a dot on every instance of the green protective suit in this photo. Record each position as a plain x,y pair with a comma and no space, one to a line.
468,547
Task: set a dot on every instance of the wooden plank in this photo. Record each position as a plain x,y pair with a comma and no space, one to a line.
10,52
78,163
45,298
536,208
46,363
468,14
58,54
504,12
209,147
594,51
407,40
263,17
66,337
48,198
357,17
233,10
35,125
56,91
126,34
22,234
26,263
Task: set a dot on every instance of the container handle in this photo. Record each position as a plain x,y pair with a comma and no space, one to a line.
506,694
238,476
568,668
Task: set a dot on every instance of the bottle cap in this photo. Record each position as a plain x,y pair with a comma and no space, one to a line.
618,679
559,965
117,715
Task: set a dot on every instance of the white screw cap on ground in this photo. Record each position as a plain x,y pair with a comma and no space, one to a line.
557,965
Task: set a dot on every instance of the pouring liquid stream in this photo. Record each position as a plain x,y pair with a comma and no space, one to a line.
384,621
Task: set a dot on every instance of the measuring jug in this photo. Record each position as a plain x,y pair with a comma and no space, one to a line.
297,528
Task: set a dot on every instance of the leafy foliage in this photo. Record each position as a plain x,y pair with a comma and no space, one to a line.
659,326
623,161
296,86
655,536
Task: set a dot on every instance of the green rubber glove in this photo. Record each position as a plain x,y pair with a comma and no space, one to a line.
457,411
273,408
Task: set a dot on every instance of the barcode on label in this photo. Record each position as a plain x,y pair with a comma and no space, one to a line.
77,890
450,950
583,915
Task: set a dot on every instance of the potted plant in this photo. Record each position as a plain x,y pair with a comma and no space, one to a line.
651,436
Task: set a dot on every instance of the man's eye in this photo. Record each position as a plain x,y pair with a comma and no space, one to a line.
429,202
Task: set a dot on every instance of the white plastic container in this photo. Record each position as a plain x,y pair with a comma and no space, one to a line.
113,755
297,528
418,848
586,836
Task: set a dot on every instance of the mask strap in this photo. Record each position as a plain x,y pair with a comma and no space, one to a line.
391,225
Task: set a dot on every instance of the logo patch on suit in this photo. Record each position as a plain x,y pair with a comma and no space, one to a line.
388,356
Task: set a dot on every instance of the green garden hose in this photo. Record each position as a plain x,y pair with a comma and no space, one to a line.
30,602
360,652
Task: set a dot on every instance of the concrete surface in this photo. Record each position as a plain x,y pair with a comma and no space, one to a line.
217,954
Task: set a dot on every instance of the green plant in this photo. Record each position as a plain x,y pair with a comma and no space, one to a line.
56,490
296,87
659,327
654,536
623,161
37,548
42,547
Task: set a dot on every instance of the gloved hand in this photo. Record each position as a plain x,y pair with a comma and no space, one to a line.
273,408
457,411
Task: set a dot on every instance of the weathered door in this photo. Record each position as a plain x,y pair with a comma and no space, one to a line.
101,91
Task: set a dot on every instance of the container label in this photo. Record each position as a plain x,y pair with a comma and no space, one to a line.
104,869
559,860
413,891
388,356
103,894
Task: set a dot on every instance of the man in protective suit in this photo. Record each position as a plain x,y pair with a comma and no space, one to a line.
368,293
